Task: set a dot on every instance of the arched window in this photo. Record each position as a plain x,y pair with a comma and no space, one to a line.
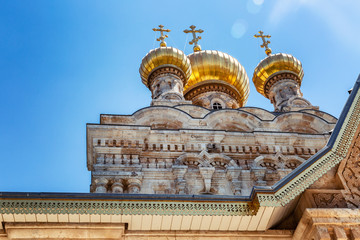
216,106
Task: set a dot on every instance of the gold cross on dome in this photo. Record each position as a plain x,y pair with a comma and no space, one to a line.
265,42
162,37
195,39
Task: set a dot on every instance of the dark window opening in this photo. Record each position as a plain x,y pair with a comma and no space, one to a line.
216,106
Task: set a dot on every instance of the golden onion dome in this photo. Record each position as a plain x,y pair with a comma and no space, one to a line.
214,67
266,72
165,57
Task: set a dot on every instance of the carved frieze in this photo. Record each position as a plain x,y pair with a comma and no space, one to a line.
329,200
349,173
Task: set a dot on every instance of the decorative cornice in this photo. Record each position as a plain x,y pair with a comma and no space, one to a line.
150,207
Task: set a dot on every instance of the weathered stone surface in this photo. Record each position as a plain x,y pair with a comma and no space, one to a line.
190,150
286,96
328,224
339,187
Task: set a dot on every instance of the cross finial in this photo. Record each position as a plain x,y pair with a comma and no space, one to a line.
265,42
162,37
195,39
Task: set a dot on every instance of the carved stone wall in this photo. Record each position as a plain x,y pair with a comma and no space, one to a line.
340,187
165,150
329,200
349,174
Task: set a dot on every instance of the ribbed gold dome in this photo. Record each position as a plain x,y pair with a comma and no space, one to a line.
273,65
208,66
164,56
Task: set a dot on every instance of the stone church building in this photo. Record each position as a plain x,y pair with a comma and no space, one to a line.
198,164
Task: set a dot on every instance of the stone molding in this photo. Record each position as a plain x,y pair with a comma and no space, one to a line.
96,231
118,231
329,224
140,207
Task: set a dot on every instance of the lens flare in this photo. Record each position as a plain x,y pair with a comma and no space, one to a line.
239,28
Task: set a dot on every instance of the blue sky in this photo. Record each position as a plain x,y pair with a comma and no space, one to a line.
62,63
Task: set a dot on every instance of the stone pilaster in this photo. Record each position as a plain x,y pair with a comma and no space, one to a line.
233,174
180,183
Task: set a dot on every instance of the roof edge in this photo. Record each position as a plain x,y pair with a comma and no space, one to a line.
316,166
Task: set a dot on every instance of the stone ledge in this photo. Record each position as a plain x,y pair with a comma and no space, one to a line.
64,231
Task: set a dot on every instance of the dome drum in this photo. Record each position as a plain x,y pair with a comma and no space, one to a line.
282,75
214,86
165,70
167,86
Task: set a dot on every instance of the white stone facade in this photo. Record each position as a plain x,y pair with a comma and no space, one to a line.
187,149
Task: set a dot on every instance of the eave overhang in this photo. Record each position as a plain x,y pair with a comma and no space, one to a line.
120,204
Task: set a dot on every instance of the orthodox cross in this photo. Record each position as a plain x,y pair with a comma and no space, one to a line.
265,43
195,39
162,37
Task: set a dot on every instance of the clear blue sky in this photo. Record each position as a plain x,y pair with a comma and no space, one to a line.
62,63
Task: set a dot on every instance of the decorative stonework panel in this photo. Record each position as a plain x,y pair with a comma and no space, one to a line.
329,200
350,172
